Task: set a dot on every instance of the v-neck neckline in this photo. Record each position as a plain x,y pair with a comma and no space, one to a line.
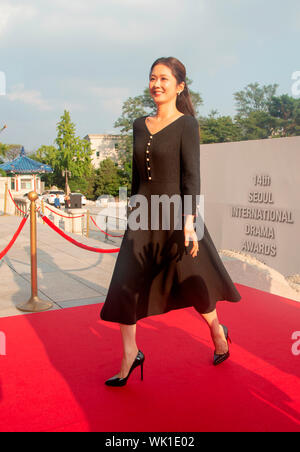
153,134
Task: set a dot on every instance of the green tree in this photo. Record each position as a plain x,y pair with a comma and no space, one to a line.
219,129
286,110
11,151
254,117
48,155
90,190
3,149
254,98
74,153
107,179
257,125
2,153
71,153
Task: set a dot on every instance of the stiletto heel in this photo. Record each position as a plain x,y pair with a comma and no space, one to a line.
139,361
219,359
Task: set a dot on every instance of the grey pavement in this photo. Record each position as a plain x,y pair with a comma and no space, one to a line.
67,275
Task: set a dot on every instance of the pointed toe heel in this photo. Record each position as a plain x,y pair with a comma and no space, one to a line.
219,359
117,382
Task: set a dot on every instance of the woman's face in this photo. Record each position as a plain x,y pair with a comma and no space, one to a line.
163,85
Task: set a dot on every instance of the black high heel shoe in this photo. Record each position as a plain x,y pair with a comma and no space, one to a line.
139,361
219,359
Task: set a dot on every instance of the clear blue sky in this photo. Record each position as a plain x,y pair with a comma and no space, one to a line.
89,56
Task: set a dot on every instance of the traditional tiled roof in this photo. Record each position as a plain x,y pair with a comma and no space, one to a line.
25,165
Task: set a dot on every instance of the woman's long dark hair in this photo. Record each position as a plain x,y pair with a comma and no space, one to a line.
183,103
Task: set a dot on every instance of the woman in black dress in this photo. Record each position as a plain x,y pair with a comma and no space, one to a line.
163,268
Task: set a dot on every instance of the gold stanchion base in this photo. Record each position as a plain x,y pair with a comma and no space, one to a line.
34,304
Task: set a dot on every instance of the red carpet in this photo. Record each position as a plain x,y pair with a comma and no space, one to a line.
52,377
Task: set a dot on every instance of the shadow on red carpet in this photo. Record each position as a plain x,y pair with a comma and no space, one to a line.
52,377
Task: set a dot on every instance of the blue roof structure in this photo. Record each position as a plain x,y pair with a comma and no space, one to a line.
25,165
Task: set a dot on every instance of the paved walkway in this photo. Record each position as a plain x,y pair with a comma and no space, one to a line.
67,275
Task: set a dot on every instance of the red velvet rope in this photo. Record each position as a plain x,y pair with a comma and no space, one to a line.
80,245
104,231
15,203
64,216
17,233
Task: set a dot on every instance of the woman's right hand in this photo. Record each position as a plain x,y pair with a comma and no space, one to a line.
190,235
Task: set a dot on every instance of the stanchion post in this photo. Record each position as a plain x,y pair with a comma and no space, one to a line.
5,198
43,208
106,221
34,304
88,223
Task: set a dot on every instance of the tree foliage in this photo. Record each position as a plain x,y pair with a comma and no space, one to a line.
3,149
70,153
74,153
262,115
286,111
254,98
10,151
107,178
219,129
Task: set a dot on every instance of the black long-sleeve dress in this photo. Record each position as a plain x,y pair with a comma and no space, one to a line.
154,271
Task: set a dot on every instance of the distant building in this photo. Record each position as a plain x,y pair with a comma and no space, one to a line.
104,146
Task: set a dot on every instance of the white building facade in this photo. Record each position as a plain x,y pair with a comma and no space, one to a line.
104,146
